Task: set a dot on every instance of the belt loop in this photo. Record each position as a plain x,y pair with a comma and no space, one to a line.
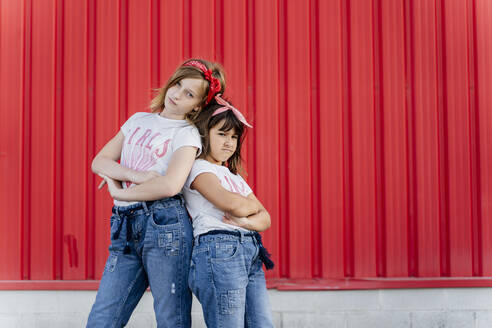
197,241
241,236
146,209
116,234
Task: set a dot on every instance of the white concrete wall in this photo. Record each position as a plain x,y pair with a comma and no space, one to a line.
397,308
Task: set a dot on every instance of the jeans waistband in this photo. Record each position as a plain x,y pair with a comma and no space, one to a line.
236,233
263,253
122,210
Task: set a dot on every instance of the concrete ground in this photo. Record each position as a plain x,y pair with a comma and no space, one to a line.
389,308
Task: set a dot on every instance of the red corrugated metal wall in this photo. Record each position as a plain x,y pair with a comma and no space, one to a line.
371,147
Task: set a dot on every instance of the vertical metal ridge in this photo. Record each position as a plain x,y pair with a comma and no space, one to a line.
316,244
91,140
58,143
380,192
123,62
443,140
155,48
348,206
412,212
187,29
215,29
283,137
1,26
476,197
26,143
251,90
219,30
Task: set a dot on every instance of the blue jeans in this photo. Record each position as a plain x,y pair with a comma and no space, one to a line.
150,245
227,277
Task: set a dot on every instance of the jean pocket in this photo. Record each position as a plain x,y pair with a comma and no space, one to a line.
165,216
227,265
225,250
169,240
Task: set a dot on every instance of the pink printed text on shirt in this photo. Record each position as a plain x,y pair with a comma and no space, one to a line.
140,154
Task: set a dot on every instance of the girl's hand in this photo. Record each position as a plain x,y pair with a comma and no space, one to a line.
234,220
139,177
113,186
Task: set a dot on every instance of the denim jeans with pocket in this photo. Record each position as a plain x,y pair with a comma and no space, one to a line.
150,246
227,277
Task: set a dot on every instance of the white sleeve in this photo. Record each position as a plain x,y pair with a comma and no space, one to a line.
199,166
128,125
187,136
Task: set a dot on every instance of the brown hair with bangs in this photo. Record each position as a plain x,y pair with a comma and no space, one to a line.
189,72
206,121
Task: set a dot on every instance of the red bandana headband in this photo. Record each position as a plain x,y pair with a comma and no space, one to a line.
226,106
213,81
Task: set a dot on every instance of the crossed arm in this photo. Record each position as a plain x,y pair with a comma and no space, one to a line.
150,185
105,163
245,212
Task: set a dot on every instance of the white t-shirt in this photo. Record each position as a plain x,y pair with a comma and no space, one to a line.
151,140
205,215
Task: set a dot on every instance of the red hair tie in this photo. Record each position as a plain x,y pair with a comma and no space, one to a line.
213,81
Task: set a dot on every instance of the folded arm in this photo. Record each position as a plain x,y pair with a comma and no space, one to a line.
208,184
163,186
106,163
259,221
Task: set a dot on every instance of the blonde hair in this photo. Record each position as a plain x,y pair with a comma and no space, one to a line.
189,72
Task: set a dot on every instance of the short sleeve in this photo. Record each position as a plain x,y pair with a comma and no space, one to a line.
199,166
187,136
128,125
